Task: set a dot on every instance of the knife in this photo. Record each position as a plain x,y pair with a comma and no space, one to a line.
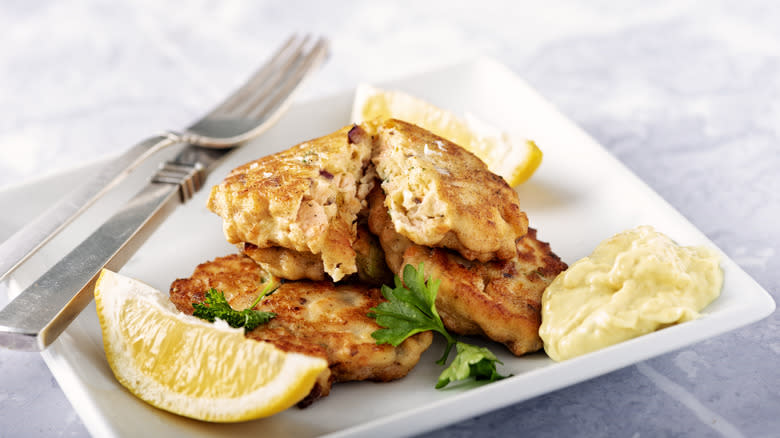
26,241
61,293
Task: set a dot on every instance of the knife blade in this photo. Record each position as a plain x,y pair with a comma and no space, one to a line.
41,312
27,240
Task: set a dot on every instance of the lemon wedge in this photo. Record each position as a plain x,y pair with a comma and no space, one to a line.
514,159
189,366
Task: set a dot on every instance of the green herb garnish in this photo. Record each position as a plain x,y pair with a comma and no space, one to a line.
216,306
411,309
471,361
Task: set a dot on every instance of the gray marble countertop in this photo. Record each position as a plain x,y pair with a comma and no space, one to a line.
685,93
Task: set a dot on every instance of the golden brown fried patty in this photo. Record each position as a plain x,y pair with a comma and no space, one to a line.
295,265
440,195
316,318
286,263
305,199
499,299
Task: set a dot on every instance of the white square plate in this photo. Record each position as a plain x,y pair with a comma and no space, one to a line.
580,196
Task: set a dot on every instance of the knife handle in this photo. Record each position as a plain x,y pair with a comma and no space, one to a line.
35,318
25,242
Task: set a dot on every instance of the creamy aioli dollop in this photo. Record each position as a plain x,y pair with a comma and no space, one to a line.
634,283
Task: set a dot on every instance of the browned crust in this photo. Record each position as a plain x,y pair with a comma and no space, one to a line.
501,299
319,319
286,263
296,265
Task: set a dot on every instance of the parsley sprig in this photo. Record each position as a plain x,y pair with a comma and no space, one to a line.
471,361
410,309
215,305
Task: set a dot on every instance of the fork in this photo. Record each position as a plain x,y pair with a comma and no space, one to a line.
243,115
42,311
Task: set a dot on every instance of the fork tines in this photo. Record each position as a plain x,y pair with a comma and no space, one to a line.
269,87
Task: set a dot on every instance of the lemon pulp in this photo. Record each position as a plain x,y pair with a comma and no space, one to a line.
191,367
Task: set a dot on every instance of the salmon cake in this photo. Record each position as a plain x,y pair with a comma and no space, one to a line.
440,195
296,265
305,199
320,319
500,299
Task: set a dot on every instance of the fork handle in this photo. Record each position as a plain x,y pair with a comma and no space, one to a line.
34,319
25,242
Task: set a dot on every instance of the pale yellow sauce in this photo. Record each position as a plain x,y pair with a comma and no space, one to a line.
634,283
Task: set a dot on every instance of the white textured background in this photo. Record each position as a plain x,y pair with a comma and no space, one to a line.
686,94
